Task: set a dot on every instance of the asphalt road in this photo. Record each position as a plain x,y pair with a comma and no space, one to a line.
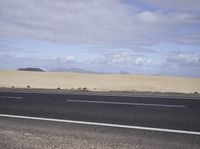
174,114
165,113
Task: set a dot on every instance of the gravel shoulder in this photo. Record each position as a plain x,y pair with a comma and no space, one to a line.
23,134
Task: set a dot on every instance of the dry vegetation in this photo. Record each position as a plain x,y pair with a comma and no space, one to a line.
110,82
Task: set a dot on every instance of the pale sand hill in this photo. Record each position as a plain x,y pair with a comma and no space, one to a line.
53,80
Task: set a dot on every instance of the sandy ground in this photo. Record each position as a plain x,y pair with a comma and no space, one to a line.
95,82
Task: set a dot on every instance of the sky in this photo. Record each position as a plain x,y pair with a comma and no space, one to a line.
159,37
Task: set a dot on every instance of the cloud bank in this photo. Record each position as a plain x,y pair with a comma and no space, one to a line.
146,36
107,22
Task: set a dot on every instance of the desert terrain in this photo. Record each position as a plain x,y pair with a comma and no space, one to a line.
98,82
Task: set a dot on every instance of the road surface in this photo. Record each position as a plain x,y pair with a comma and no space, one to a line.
144,115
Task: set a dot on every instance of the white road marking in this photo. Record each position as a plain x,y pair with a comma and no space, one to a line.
126,103
11,97
102,124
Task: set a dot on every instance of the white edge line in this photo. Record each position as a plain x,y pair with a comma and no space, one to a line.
102,124
11,97
126,103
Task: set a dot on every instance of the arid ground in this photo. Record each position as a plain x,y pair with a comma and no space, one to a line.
98,82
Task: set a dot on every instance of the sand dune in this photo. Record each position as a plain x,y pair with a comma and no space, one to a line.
53,80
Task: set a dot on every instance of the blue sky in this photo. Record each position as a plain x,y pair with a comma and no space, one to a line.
143,37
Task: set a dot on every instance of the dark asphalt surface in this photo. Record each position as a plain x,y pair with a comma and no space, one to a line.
57,106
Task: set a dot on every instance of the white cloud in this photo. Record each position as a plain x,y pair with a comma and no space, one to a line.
67,59
184,59
148,16
124,58
141,61
100,22
14,62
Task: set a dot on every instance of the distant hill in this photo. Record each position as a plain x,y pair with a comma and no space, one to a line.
76,70
30,69
124,72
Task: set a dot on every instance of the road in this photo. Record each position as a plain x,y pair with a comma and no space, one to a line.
174,116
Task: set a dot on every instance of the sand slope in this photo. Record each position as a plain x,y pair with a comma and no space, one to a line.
53,80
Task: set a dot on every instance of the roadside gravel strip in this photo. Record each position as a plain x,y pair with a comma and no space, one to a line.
23,134
102,124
